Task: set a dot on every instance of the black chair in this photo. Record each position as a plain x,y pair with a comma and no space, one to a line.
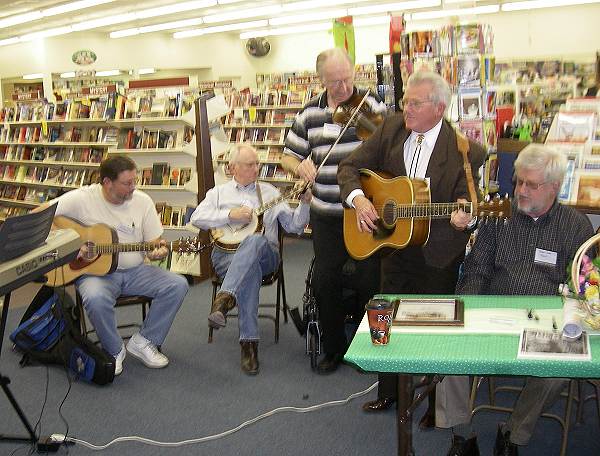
281,302
122,301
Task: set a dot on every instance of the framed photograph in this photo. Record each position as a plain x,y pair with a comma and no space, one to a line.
547,344
587,189
429,312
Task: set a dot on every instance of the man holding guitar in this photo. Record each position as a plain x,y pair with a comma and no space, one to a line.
116,203
242,256
420,144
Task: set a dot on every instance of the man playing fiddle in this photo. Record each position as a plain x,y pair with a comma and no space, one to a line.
306,146
417,143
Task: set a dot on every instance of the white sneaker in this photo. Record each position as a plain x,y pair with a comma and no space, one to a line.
146,352
119,360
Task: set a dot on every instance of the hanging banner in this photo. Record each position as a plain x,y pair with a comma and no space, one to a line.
343,35
396,29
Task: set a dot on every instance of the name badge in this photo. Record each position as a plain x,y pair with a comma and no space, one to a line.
545,257
331,130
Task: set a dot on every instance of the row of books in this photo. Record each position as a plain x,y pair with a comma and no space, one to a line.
60,133
28,194
147,138
97,109
307,79
268,97
49,175
162,102
58,154
262,116
274,171
271,135
448,41
163,174
174,215
12,211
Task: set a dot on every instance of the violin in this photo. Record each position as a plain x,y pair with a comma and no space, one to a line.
354,112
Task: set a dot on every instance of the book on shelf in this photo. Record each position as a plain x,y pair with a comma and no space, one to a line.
160,173
174,176
469,70
185,175
551,345
146,177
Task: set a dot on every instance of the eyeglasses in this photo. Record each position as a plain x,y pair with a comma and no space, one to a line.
347,82
529,185
416,104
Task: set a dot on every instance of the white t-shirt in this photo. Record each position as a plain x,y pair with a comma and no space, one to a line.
134,221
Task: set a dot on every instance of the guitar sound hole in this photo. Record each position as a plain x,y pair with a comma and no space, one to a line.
91,251
388,214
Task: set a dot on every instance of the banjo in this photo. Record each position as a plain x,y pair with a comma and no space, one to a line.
229,237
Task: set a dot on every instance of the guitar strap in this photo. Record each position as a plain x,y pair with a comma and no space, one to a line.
463,147
259,194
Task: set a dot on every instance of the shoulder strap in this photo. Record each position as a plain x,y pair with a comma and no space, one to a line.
463,147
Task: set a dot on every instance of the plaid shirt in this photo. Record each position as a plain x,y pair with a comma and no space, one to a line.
502,260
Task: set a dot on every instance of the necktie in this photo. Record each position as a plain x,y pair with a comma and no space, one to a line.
416,155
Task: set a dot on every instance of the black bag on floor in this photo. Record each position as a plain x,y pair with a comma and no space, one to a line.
49,334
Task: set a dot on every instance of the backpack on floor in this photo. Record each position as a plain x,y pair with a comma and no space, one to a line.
49,334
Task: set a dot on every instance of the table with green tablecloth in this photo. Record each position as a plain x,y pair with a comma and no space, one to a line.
487,344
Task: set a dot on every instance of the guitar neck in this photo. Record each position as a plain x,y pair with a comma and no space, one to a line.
127,247
433,210
274,202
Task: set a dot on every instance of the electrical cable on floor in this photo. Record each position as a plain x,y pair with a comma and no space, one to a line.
312,408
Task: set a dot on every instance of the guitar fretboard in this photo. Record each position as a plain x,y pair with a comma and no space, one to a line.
132,247
434,210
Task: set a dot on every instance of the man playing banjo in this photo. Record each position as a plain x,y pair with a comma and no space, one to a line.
246,243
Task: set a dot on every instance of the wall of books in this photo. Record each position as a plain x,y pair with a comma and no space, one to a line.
575,131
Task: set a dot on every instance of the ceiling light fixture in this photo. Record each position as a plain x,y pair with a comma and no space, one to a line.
220,28
46,33
487,9
175,8
534,4
108,73
389,7
323,26
243,14
157,27
33,76
298,18
146,71
316,4
68,74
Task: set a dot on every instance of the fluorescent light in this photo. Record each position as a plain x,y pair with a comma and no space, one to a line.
287,30
456,12
146,71
388,7
220,28
33,76
46,33
375,20
243,14
157,27
20,19
460,1
533,4
6,42
103,21
227,2
124,32
176,8
316,4
308,17
68,74
68,7
108,73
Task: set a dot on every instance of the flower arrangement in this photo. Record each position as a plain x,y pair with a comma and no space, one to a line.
584,281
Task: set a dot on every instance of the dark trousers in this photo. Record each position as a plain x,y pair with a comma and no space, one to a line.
405,272
330,257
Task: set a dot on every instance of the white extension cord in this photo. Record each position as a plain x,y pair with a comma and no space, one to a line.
133,438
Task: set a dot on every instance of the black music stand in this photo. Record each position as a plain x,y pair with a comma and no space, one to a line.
19,236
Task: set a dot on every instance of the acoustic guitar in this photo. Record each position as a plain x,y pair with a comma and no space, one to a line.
405,212
102,251
229,237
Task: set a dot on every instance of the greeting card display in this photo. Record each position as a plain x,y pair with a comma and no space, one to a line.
573,127
469,70
470,103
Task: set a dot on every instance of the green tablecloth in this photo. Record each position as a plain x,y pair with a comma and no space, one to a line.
469,353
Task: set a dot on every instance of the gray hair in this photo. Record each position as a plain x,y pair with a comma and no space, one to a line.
234,155
440,89
540,157
333,53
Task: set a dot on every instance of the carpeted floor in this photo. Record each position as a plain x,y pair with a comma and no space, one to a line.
203,392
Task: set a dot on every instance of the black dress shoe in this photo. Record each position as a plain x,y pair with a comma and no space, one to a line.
503,445
330,363
249,357
379,405
463,447
222,304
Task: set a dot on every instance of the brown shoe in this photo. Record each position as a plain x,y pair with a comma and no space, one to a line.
379,405
222,304
250,356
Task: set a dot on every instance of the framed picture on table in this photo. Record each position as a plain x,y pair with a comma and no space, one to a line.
429,312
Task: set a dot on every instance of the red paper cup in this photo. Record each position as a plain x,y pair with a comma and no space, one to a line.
380,313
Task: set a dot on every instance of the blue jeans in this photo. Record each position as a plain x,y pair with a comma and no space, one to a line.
242,273
99,294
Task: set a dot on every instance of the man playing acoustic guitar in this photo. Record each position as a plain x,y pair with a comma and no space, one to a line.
228,210
418,143
115,203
